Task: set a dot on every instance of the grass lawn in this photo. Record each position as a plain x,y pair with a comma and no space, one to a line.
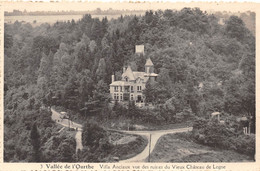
174,148
123,146
126,146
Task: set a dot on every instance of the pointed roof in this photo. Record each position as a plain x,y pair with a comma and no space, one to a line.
140,75
149,62
128,73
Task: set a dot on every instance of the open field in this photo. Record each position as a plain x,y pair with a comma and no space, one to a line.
172,148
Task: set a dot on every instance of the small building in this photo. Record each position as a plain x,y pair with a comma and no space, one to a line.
139,49
132,84
216,114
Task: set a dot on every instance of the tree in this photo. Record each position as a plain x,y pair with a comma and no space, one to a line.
8,40
92,135
164,78
151,92
81,56
101,92
71,92
45,66
96,30
85,86
192,94
193,20
235,28
101,70
92,46
36,143
67,151
42,85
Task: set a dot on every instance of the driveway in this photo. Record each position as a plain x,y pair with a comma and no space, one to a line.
141,157
155,135
56,116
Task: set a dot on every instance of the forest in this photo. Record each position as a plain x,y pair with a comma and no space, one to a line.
203,67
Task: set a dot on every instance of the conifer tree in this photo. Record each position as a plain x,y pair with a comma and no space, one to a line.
35,142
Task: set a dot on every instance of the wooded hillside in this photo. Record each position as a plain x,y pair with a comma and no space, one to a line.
203,67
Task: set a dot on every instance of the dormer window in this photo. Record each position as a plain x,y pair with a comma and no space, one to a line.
138,80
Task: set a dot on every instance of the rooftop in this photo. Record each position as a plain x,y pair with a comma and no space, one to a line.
128,73
149,62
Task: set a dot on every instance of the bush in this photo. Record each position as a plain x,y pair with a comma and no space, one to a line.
214,134
59,148
95,137
199,123
245,144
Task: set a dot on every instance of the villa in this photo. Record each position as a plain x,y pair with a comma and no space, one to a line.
132,84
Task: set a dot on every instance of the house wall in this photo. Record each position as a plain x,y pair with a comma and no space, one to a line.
149,69
133,94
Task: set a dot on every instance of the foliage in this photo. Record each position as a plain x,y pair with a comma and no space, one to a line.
35,141
95,142
224,136
203,66
59,148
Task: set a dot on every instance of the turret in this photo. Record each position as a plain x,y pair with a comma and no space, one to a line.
149,66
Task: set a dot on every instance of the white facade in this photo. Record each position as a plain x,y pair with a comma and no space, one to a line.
132,84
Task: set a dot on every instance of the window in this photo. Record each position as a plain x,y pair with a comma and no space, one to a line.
126,79
121,97
121,89
139,88
132,97
127,89
116,88
132,89
116,97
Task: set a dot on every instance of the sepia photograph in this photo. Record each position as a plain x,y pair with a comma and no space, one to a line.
129,83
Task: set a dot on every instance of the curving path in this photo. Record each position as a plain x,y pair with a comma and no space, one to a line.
68,123
78,138
141,157
155,135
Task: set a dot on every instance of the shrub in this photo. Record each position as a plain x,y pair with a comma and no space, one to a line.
245,144
199,123
95,137
212,133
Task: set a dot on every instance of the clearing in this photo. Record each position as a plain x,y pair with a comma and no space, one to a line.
173,148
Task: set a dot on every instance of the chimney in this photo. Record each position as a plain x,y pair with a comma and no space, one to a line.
123,69
113,78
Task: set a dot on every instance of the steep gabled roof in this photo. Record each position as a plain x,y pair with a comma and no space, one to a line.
140,75
149,62
128,73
